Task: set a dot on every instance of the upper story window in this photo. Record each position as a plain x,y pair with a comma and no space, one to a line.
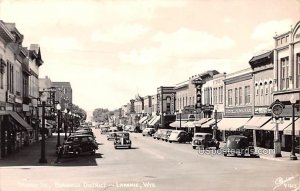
284,66
247,94
230,97
298,70
240,95
236,96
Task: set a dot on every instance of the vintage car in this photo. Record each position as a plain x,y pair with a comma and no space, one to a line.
148,131
111,135
204,140
122,140
80,143
179,136
84,132
157,135
166,134
238,145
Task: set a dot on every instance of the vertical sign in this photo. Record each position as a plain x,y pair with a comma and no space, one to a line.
172,103
198,84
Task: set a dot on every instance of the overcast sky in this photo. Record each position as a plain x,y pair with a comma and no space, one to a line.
110,50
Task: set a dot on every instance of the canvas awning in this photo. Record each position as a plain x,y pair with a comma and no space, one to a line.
143,119
201,121
154,121
271,125
288,130
20,120
209,123
177,124
232,124
256,122
189,124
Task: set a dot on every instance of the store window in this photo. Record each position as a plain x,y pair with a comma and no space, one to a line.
298,70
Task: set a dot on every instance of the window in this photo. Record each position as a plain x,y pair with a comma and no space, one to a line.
298,70
221,94
229,97
215,95
284,62
267,90
240,95
168,104
247,94
236,96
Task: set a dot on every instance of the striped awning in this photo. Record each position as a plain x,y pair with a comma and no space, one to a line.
178,124
189,124
232,124
154,121
256,122
142,119
201,121
288,130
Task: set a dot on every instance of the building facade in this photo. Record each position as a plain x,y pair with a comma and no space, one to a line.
238,102
64,94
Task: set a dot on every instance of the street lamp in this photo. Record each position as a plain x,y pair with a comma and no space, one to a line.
215,127
43,99
58,107
293,102
65,123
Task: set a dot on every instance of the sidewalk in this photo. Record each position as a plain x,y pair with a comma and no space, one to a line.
268,154
30,155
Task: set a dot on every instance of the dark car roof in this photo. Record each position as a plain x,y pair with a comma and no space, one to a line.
238,136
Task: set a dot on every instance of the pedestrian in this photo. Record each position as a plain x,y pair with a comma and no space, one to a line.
59,153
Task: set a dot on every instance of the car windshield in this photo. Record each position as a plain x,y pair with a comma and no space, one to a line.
198,136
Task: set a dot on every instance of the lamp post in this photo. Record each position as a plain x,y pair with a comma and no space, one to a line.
43,99
58,107
215,127
292,155
180,118
71,121
65,123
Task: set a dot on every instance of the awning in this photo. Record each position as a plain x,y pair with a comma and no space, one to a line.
210,123
153,122
20,120
152,118
288,130
271,126
142,119
177,124
201,121
256,122
232,124
189,124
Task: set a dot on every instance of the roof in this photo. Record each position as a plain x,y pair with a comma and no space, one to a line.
262,58
61,84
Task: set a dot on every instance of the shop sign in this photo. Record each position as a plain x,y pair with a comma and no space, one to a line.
25,107
238,111
18,100
207,107
10,98
261,110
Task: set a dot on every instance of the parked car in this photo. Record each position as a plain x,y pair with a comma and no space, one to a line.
148,131
179,136
81,143
111,135
158,134
82,131
166,134
238,145
122,140
204,140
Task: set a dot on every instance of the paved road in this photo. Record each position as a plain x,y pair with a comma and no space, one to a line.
152,165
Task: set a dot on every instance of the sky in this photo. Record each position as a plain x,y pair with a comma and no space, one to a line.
112,50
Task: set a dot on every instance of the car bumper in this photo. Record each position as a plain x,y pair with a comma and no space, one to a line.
124,145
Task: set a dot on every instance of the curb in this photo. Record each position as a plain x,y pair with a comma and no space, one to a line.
271,158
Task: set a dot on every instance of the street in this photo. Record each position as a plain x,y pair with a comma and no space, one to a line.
151,165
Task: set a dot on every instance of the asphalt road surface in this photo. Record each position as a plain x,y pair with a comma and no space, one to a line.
153,165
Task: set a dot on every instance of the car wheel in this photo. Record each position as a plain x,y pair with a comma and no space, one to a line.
170,141
129,147
116,147
194,147
225,154
144,135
